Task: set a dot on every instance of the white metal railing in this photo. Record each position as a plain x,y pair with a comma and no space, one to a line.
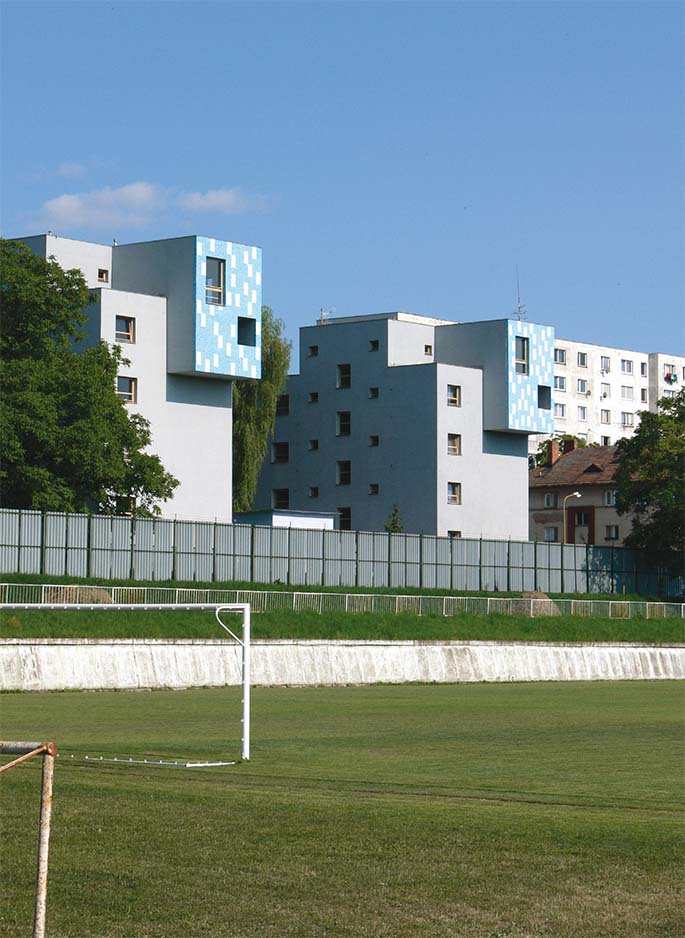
272,600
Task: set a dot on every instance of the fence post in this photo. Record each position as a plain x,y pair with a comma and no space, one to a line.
214,552
132,565
356,558
509,565
251,553
562,567
66,544
480,564
389,537
535,564
89,547
613,571
43,526
287,566
587,566
174,565
452,540
323,556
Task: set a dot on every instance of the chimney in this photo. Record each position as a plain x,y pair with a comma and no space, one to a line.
569,445
553,452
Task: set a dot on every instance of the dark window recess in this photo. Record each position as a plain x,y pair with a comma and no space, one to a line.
280,452
283,405
280,498
127,389
313,444
582,518
312,351
103,275
345,519
374,439
373,345
313,491
214,281
374,488
344,422
454,534
247,331
428,350
343,473
313,397
544,397
125,329
344,376
373,392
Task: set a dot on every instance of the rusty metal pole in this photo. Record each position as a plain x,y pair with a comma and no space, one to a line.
44,840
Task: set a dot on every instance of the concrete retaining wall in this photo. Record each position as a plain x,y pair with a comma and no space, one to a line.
90,664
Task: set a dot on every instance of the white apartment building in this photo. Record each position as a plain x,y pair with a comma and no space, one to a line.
599,391
428,414
187,315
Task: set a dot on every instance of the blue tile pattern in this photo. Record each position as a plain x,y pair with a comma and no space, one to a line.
216,327
523,412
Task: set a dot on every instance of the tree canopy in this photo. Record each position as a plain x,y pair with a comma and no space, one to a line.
254,410
69,443
651,479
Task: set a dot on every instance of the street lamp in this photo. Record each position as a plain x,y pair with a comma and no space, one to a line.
570,495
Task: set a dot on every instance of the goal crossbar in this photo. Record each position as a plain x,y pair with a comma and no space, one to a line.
217,608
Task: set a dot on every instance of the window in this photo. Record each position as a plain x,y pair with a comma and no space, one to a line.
627,420
428,350
280,498
544,397
343,472
454,395
373,392
127,389
280,452
283,405
343,423
214,281
454,444
313,491
582,519
344,376
605,364
551,500
345,519
454,535
454,493
374,439
627,366
605,441
560,356
606,390
643,395
611,532
669,370
643,369
313,444
313,397
626,392
125,329
247,332
560,410
373,345
582,413
559,383
605,416
610,498
374,488
669,394
312,351
103,275
582,359
582,385
521,355
552,534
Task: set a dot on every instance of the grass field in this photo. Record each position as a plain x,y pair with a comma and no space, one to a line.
339,625
479,811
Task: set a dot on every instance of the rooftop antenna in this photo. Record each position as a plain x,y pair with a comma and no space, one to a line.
324,315
520,308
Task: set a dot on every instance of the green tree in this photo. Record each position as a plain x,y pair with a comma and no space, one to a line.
651,479
254,410
69,443
394,523
541,456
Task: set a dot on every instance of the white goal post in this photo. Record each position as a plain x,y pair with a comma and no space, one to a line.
217,608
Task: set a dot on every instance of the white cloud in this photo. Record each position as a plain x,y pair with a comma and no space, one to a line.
71,170
131,206
224,201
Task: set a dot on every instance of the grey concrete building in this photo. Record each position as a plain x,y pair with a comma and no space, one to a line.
187,314
431,415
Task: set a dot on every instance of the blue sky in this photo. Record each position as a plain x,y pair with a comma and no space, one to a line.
385,156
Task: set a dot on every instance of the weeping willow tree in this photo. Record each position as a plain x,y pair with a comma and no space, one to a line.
254,410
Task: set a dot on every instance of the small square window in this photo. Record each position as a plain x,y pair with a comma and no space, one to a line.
582,385
560,410
454,535
610,498
605,441
247,332
611,532
345,518
627,420
560,356
280,498
214,281
428,350
344,376
605,364
626,366
583,519
374,439
626,392
454,395
643,395
313,444
125,329
521,358
373,392
454,493
582,413
127,389
582,359
454,444
606,390
551,500
280,452
313,397
344,423
559,383
551,534
544,397
103,275
283,405
312,351
343,472
643,369
313,491
606,416
374,488
373,345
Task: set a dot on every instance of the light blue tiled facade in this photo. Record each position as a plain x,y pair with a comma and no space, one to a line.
217,350
524,414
